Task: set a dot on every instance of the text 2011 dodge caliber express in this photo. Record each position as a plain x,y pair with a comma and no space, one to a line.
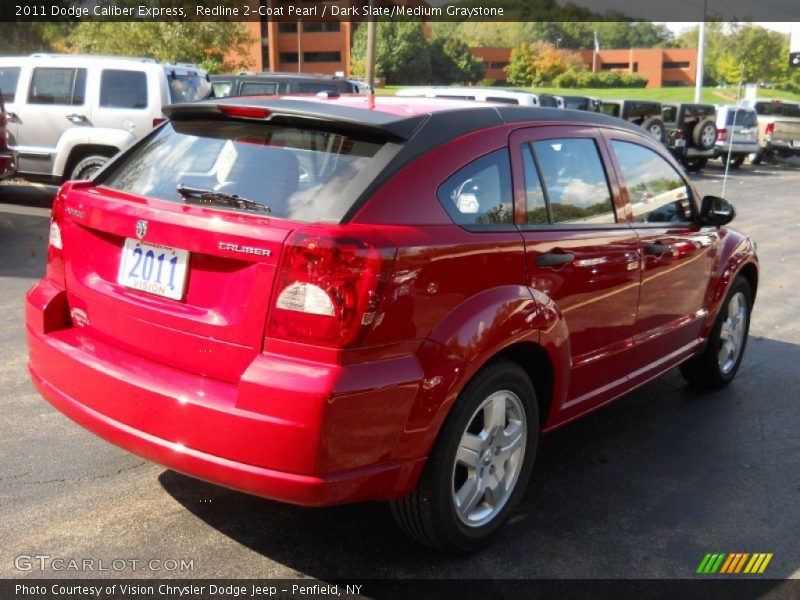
323,300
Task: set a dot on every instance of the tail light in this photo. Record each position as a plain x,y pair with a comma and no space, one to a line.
158,121
722,135
679,134
329,287
770,129
55,251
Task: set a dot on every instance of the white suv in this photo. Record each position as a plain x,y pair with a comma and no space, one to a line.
68,114
484,94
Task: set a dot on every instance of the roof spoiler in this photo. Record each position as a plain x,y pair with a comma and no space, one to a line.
288,111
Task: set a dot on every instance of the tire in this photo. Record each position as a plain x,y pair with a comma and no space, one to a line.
736,160
757,158
704,134
431,513
655,127
696,163
711,369
87,166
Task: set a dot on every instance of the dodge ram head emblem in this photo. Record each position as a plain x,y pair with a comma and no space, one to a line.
141,229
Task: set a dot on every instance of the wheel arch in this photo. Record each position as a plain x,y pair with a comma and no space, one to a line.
79,152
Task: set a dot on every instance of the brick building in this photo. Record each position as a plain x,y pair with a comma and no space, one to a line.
662,67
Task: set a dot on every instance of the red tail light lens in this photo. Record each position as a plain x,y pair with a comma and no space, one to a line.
722,135
158,121
770,129
55,251
329,288
679,134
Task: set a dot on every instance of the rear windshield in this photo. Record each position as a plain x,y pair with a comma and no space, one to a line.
745,118
779,109
308,175
188,88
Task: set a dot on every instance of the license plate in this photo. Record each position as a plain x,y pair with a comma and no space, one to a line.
795,143
154,269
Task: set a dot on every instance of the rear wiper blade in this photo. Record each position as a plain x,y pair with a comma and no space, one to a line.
212,197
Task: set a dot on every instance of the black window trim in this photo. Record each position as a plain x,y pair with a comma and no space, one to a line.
609,173
610,137
488,227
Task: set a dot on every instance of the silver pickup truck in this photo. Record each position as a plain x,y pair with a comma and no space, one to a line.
778,128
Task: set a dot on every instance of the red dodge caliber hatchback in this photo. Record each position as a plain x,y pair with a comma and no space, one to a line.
326,300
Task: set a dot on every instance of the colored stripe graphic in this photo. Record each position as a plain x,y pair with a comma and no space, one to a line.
734,563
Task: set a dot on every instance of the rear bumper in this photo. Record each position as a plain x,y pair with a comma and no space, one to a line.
290,430
785,145
722,148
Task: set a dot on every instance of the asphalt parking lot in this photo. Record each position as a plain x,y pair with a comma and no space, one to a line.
643,488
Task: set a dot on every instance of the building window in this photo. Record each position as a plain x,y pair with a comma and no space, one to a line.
498,65
320,57
676,65
615,66
287,27
331,26
288,57
636,67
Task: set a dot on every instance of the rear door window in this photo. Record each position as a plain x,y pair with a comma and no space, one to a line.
258,88
480,193
657,193
222,89
189,87
575,182
58,86
123,89
301,174
9,76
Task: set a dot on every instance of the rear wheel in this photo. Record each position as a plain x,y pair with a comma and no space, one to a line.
717,365
480,465
655,127
87,166
695,163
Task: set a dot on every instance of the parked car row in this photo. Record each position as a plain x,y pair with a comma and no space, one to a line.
693,132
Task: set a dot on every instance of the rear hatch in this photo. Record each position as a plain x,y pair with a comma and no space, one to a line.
741,126
185,277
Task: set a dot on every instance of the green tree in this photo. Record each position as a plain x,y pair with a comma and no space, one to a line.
402,52
452,62
539,63
214,46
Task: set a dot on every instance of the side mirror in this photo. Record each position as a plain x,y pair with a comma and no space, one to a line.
716,211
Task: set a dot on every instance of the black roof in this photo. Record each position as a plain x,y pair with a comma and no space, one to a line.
439,125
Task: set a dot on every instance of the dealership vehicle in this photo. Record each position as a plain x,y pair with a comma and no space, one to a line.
644,113
737,134
334,300
68,114
581,103
272,84
8,158
690,132
778,128
484,94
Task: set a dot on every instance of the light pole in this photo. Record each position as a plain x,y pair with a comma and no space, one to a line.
558,41
372,26
701,45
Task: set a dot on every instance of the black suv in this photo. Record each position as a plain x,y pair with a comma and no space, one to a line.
691,132
274,84
644,113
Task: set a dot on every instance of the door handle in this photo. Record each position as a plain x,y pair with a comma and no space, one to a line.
657,249
12,117
77,119
554,259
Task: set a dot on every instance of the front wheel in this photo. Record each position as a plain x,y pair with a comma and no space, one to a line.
480,465
717,365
